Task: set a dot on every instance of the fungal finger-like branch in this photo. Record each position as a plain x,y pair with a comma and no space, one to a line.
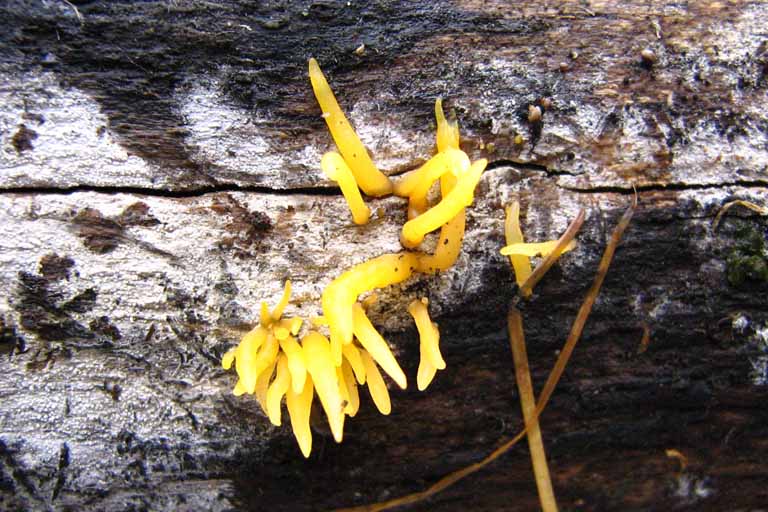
549,387
546,264
528,405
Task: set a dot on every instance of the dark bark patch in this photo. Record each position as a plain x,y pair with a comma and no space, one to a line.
113,389
10,340
54,267
102,234
22,139
40,310
99,234
103,326
247,228
137,214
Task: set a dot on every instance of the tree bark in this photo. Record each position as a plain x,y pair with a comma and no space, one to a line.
159,178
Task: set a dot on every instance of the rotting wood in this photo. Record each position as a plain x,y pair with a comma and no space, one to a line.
113,324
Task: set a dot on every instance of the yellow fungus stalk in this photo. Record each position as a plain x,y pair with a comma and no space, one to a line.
534,249
299,408
453,161
246,356
278,389
262,385
429,344
353,358
277,313
336,168
377,347
451,236
372,181
296,365
449,206
320,365
340,296
447,132
376,385
348,379
514,235
264,359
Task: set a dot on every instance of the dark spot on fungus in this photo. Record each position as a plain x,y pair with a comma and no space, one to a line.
445,242
22,139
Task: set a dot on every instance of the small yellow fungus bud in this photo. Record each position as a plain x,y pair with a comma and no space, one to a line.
534,249
449,206
277,389
429,346
265,319
514,235
447,132
339,296
228,358
336,168
320,365
377,347
372,181
376,386
296,364
299,408
348,379
352,355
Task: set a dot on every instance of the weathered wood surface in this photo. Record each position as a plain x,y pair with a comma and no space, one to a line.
159,177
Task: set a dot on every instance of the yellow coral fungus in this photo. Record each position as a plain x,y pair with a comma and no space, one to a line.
299,408
451,236
447,132
376,386
320,366
341,294
514,235
336,168
449,206
372,181
378,349
429,348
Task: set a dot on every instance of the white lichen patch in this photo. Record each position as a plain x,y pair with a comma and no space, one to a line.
69,141
390,146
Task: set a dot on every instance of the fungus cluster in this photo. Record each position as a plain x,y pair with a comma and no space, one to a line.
273,361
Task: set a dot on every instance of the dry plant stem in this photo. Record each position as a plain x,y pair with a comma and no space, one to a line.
549,387
760,210
528,405
550,260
